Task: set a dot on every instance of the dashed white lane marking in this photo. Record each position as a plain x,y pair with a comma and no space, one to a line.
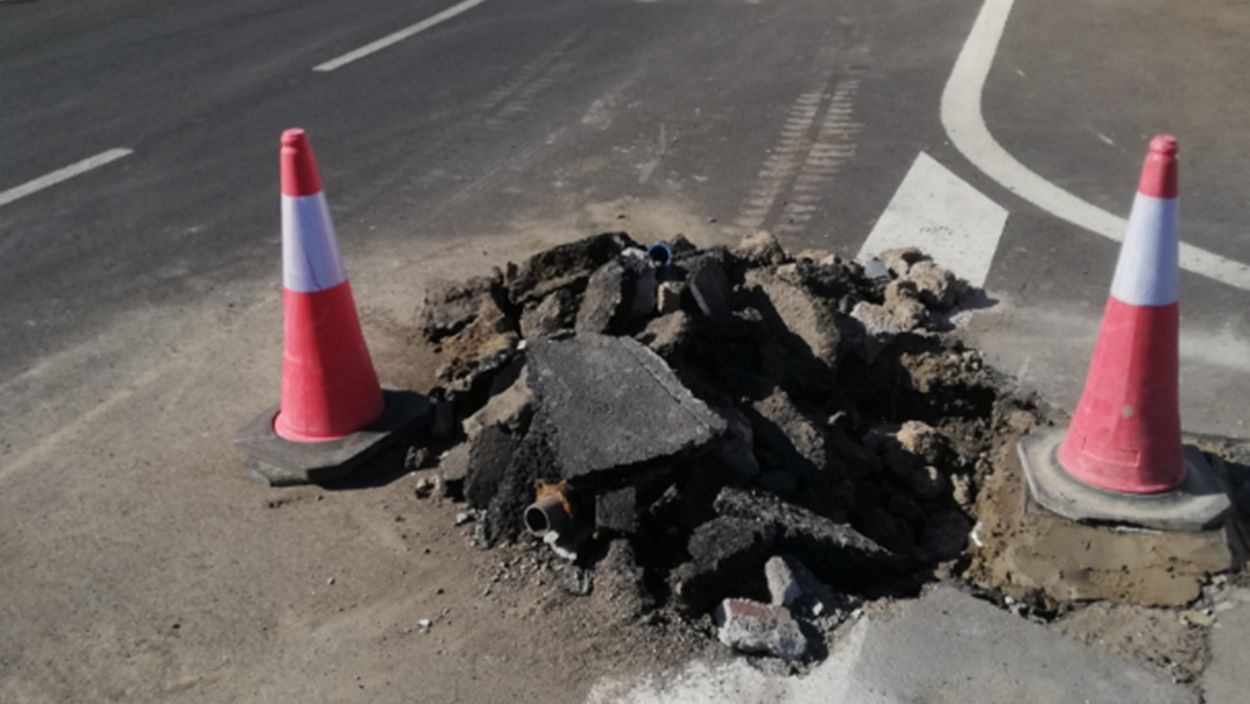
834,145
784,159
945,216
395,38
64,174
964,123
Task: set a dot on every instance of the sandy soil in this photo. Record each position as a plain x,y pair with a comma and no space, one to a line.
1028,553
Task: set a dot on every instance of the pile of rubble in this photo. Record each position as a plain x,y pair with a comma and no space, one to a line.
740,432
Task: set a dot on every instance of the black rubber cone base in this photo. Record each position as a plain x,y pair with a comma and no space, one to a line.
1199,503
280,462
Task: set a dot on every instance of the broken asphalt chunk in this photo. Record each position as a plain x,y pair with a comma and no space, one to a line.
724,552
708,284
565,265
490,455
760,249
609,404
835,552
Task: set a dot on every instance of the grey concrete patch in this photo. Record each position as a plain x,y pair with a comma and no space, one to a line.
944,648
1172,641
1227,679
1200,502
278,462
950,647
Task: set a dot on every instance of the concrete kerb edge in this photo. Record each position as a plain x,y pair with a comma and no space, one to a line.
278,462
1200,503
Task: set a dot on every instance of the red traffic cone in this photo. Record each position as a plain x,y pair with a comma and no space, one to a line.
329,387
1121,459
334,416
1126,432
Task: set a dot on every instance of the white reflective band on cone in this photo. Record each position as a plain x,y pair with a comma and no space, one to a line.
310,252
1148,272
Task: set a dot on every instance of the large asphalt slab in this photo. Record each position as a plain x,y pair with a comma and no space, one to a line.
140,318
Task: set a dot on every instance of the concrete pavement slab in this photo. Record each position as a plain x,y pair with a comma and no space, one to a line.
950,647
1227,679
945,647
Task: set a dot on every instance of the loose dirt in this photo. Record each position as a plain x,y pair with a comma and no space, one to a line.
1029,554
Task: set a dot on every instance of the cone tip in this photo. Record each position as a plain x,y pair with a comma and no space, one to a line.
1161,144
299,168
1159,172
294,137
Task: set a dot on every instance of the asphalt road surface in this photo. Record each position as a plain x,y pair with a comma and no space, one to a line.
139,229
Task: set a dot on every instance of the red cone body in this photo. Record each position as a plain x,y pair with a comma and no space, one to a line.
329,387
1126,433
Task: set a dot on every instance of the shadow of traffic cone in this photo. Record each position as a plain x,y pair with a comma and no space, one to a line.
1121,459
333,413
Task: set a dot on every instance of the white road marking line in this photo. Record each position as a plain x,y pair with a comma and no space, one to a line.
399,36
791,149
76,169
942,214
964,123
783,160
834,144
